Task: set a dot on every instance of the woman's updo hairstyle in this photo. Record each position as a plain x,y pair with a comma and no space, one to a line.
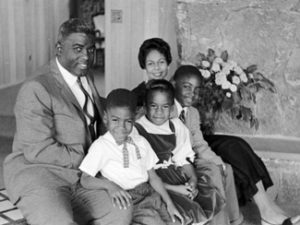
154,44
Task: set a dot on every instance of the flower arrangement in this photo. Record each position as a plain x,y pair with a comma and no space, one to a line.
226,87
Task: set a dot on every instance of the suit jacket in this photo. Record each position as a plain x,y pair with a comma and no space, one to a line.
192,121
51,136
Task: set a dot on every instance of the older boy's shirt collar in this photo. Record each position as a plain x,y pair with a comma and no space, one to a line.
180,108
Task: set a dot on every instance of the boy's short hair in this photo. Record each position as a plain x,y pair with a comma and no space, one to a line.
121,97
160,85
154,44
74,25
186,71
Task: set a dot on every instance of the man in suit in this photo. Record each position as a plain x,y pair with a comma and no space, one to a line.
58,115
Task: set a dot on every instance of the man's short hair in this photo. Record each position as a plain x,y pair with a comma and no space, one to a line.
74,25
186,71
121,97
160,85
157,44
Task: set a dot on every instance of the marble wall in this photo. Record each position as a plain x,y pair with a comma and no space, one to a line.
262,32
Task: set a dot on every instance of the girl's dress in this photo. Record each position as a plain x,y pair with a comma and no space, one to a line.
207,203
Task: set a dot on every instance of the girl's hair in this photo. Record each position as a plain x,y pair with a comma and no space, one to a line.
154,44
160,85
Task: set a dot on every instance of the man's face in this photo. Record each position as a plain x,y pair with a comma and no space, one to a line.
76,53
158,107
156,65
119,122
186,89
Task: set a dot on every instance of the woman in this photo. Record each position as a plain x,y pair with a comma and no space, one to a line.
251,175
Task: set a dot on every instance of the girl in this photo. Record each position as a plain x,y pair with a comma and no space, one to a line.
193,194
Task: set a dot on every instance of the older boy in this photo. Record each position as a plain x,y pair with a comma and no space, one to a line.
186,81
127,159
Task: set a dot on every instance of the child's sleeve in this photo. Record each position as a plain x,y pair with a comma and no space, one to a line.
94,160
199,145
183,149
150,157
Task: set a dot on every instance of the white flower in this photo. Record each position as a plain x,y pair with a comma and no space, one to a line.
243,77
215,67
226,69
232,63
233,88
228,94
218,60
236,80
205,73
205,64
225,84
238,70
250,75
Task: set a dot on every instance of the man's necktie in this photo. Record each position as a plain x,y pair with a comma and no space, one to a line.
126,153
182,116
88,101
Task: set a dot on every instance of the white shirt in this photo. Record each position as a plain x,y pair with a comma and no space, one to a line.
183,147
106,156
71,80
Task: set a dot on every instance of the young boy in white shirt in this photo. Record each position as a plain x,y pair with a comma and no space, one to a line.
127,159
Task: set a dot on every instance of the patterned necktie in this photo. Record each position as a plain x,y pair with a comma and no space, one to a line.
126,152
182,116
88,100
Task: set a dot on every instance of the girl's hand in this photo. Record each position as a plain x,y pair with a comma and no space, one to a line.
173,212
184,190
191,185
120,198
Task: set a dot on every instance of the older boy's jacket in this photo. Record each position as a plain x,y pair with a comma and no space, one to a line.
192,121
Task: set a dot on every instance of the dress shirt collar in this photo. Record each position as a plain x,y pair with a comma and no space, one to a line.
155,129
108,136
180,108
68,77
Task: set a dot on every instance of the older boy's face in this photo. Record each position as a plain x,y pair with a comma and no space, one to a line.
119,122
156,65
158,108
76,53
186,89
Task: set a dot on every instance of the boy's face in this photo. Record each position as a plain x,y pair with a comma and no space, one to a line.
156,65
186,89
158,107
119,122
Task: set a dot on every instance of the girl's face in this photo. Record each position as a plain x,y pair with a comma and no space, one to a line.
156,65
158,107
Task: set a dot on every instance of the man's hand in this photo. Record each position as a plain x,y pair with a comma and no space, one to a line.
120,198
173,212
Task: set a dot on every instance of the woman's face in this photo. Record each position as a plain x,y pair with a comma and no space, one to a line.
156,65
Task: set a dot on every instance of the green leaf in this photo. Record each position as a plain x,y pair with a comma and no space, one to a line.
246,113
211,55
251,69
224,56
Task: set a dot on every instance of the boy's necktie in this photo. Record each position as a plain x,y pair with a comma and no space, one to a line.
182,116
126,153
88,109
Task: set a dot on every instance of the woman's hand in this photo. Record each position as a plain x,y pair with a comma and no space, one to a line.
192,185
173,212
120,198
